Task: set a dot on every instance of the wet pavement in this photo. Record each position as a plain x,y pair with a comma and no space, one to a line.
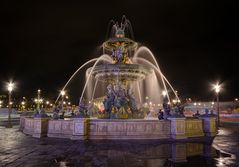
227,141
18,149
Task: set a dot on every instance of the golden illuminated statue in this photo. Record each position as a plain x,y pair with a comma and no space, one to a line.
120,46
120,55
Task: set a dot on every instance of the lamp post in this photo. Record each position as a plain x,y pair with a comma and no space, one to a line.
63,93
164,93
38,99
23,105
236,102
10,87
217,89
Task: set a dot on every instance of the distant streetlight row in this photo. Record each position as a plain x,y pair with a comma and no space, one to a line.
11,86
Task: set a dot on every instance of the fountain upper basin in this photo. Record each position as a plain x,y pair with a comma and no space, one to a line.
120,72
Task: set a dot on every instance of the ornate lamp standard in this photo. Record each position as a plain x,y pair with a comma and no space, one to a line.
217,89
38,99
10,87
47,105
236,103
165,114
63,93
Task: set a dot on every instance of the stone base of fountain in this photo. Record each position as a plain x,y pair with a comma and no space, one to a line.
37,127
120,129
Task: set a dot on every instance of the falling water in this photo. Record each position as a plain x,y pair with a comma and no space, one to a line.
90,84
160,73
78,70
107,58
152,89
88,62
93,94
103,57
152,84
143,48
140,95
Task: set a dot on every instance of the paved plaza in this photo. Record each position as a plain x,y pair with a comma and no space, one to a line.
20,150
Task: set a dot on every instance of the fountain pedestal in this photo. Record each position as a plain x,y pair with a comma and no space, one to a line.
22,123
28,125
177,127
209,126
40,127
80,128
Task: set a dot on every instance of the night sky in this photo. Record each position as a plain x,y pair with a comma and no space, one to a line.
195,42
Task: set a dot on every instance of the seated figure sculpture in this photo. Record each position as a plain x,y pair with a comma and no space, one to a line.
160,114
36,113
131,99
167,110
120,98
197,114
179,109
56,111
109,100
40,113
206,113
82,112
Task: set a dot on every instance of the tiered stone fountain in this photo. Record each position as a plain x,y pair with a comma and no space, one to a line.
122,116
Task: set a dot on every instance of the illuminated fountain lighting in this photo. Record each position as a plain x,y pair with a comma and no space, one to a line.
125,66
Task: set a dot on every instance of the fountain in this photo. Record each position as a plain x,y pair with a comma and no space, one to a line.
126,78
125,96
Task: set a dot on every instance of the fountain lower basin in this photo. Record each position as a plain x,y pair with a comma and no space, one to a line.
120,129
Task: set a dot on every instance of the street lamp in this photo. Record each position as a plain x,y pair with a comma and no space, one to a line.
164,93
63,93
217,89
10,87
236,103
38,99
47,104
23,105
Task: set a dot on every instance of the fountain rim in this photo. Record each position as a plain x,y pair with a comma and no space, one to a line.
131,72
131,45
